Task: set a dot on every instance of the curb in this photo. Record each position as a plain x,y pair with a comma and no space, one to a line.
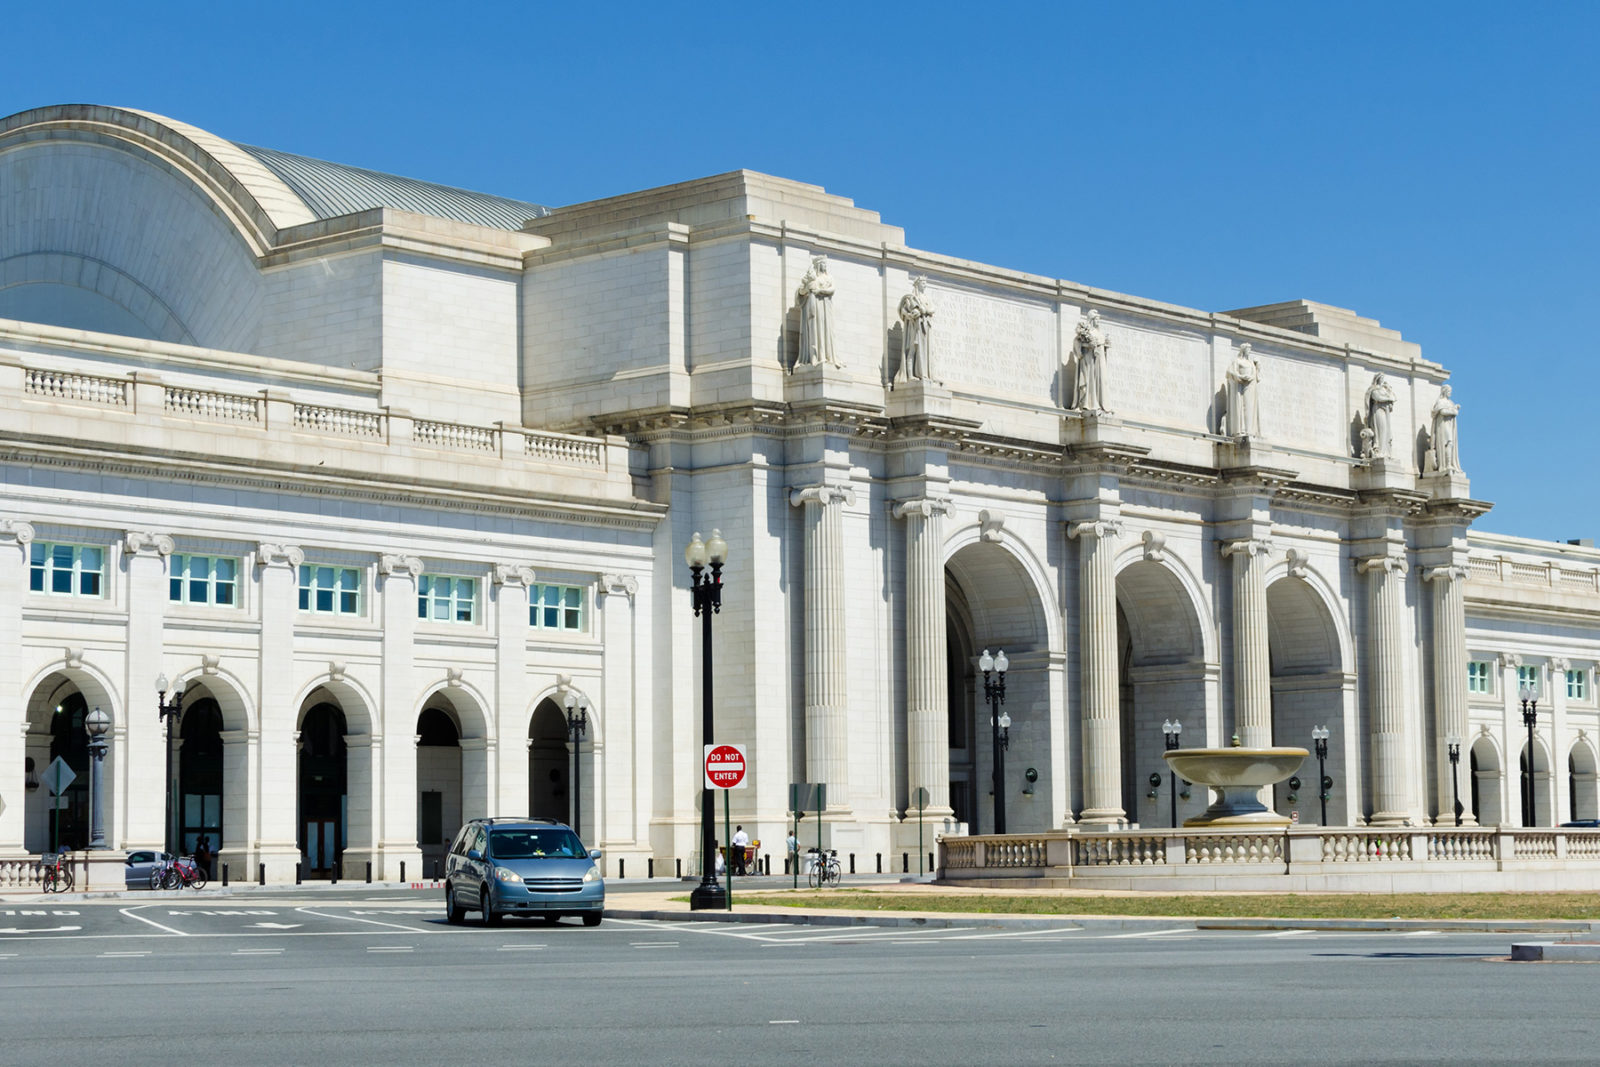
1556,952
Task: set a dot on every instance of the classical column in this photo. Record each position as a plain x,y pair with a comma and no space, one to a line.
1450,690
1102,705
277,785
1386,672
621,807
394,823
136,802
15,536
512,690
826,689
927,683
1556,780
1252,670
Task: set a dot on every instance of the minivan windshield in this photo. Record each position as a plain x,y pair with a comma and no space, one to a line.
532,844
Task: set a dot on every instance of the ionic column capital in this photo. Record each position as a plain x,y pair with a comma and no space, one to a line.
144,543
1247,546
15,532
394,565
512,574
1451,573
1509,659
1559,665
823,495
923,507
1093,529
1389,563
269,554
619,584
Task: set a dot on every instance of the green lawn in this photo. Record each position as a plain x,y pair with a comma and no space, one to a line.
1274,906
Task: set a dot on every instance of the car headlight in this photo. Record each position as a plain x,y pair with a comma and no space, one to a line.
591,875
506,875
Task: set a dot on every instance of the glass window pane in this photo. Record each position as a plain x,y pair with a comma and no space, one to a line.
36,579
305,600
91,559
347,604
36,553
175,589
324,577
61,581
197,593
61,556
225,570
324,599
225,593
89,584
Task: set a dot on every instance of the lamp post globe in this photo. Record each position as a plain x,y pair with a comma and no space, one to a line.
96,724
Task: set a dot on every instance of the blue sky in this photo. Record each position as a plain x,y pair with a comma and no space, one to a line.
1429,165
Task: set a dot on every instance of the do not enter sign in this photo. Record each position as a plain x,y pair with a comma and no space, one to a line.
725,767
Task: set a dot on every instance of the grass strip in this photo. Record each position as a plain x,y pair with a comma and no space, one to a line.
1266,906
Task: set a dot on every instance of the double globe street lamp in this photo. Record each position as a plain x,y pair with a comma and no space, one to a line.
96,724
1453,743
994,691
706,591
167,711
1319,738
1530,717
1171,729
577,725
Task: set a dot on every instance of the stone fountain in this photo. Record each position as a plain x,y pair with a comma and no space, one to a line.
1237,775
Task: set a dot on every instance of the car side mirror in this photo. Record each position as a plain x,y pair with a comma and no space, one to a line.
594,853
130,861
474,854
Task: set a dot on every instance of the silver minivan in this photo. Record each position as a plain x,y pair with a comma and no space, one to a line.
534,867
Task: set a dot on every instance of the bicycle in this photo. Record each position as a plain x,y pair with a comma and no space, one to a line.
824,868
56,876
178,874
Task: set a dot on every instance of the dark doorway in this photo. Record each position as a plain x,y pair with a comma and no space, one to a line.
438,784
323,785
200,776
547,764
69,742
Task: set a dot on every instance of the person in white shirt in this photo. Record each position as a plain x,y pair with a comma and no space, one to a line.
741,842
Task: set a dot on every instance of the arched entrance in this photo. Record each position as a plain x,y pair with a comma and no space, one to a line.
324,789
438,782
1309,689
1582,801
1162,674
62,821
548,794
201,776
1538,793
1488,795
991,601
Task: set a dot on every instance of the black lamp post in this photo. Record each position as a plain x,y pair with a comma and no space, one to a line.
577,726
167,711
1319,738
707,593
1453,742
97,723
1530,716
994,691
1171,729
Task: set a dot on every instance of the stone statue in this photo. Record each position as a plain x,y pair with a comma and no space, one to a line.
916,339
815,298
1377,436
1244,395
1446,460
1091,347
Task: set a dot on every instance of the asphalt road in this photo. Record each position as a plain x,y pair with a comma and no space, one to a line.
365,977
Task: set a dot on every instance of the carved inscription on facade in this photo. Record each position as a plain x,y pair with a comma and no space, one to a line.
985,343
1300,405
1163,377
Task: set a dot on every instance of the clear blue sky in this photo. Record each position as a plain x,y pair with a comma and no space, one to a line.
1429,165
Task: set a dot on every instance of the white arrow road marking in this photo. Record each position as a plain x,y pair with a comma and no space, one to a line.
39,930
277,926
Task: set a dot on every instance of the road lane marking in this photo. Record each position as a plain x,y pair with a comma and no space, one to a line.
258,952
38,930
783,1022
123,955
130,913
373,922
654,944
1146,933
520,948
276,926
389,948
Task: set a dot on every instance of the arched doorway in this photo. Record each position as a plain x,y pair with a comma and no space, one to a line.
548,795
1309,689
324,789
68,821
1582,801
1538,791
200,776
992,602
1488,797
1162,674
438,783
56,708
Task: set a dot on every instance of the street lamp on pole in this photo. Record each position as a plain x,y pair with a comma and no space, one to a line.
1171,729
577,726
96,724
167,711
994,691
1453,742
706,590
1530,716
1319,738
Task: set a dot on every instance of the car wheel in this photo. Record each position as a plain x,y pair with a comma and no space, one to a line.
592,919
155,879
454,913
486,905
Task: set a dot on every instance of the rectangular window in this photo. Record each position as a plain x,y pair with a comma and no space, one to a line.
1577,685
330,590
446,599
555,607
1528,678
203,580
1478,676
66,570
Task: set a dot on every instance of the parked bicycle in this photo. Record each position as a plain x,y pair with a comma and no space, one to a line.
822,868
55,875
177,874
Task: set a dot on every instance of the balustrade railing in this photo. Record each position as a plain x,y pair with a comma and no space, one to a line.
20,875
1014,852
565,448
345,421
1461,845
456,436
203,404
1120,850
1365,846
1235,848
59,385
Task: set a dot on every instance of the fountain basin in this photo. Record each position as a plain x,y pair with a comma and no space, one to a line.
1237,776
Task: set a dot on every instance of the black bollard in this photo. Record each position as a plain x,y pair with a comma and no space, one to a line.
766,864
296,874
435,870
930,863
650,867
620,862
905,863
852,863
402,870
224,874
880,863
261,873
680,867
369,872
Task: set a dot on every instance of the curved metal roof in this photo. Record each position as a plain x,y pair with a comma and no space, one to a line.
334,189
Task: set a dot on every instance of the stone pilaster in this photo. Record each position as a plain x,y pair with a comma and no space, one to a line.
826,686
394,823
278,590
1386,669
1252,669
512,690
1102,706
15,537
1556,780
618,799
1450,691
927,681
137,772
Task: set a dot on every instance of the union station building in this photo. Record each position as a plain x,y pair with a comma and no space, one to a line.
387,475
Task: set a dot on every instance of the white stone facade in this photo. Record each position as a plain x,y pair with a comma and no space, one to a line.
197,360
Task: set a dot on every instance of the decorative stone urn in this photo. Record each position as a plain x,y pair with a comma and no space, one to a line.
1237,775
